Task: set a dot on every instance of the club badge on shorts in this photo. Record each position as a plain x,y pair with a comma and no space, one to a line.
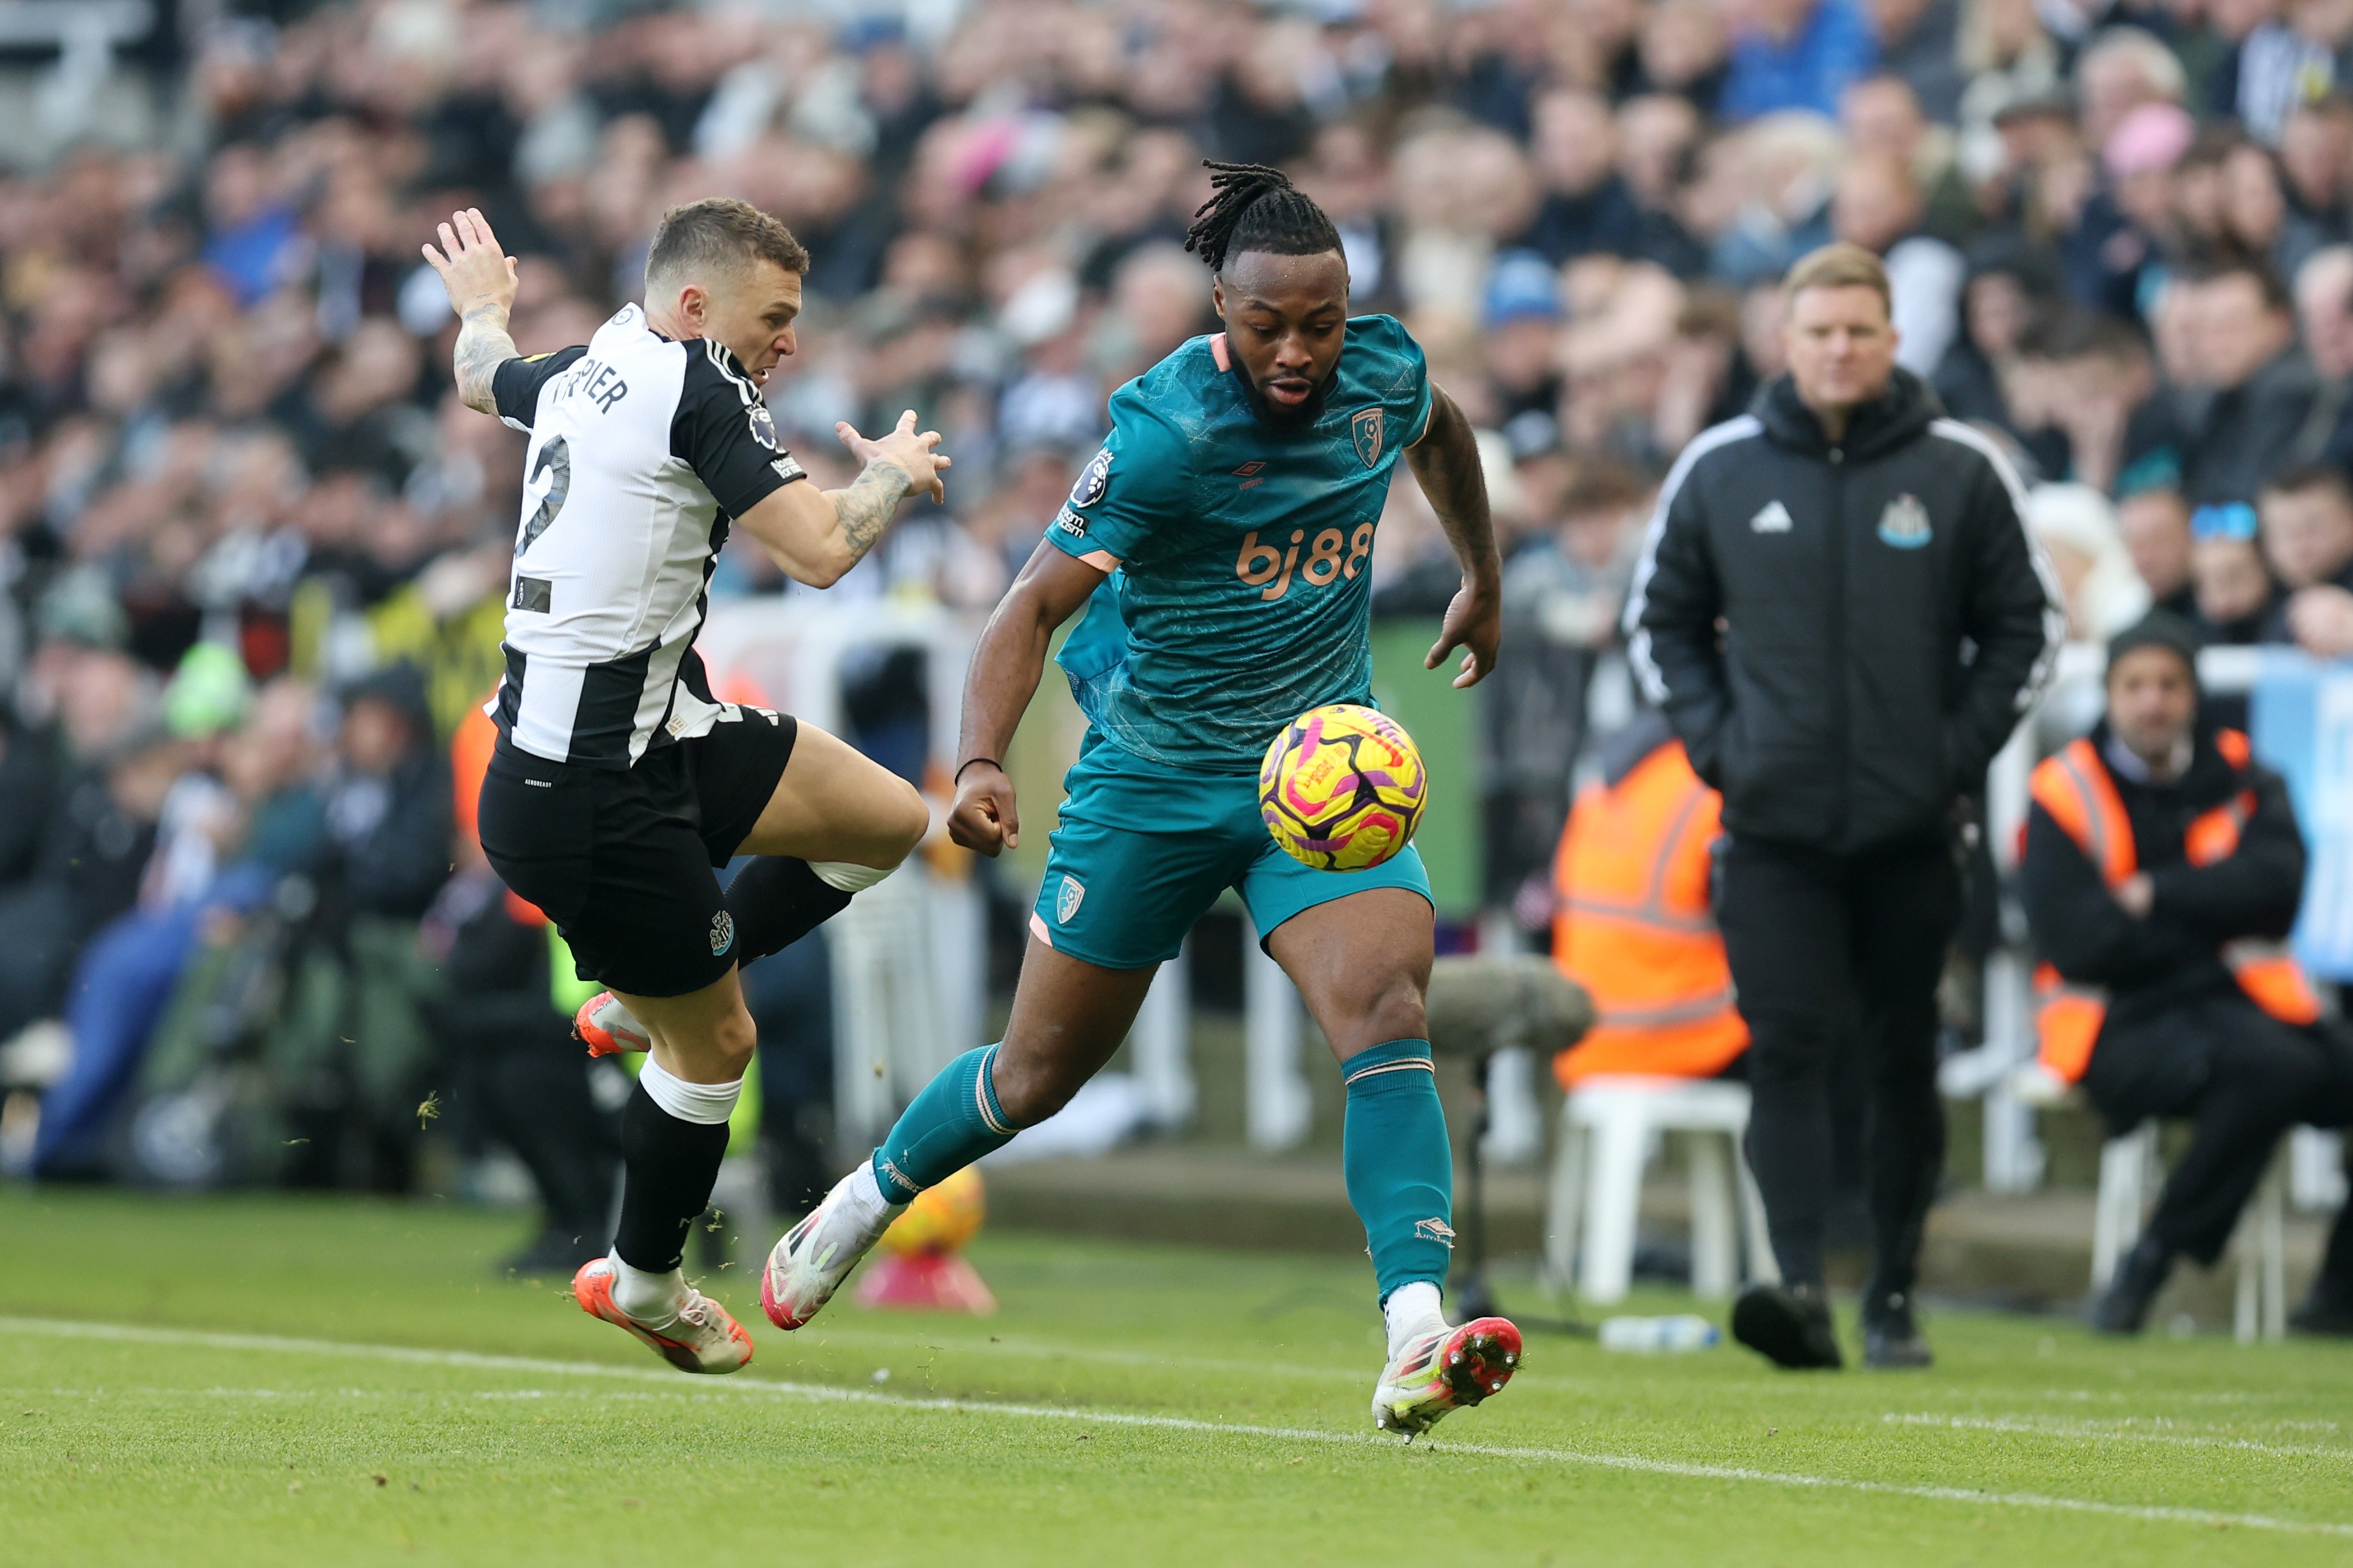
1067,901
723,933
1904,523
1366,428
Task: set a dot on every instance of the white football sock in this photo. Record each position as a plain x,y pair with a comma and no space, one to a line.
865,1200
1409,1310
651,1298
846,877
707,1104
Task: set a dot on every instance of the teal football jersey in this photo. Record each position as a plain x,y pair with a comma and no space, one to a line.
1239,593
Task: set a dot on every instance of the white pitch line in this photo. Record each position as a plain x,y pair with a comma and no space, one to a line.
2043,1426
824,1392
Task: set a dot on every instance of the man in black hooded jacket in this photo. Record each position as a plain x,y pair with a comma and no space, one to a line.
1841,611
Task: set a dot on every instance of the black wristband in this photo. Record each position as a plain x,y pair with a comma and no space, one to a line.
968,761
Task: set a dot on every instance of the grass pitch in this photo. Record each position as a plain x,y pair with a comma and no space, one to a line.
285,1381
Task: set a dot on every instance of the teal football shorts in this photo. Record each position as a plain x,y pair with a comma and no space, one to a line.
1143,851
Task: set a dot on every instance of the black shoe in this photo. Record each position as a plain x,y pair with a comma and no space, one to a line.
1790,1325
1891,1336
2331,1316
2124,1308
557,1251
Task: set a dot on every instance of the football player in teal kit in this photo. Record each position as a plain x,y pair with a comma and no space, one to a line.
1220,543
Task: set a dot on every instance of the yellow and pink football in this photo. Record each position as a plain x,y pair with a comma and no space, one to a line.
1342,787
941,1220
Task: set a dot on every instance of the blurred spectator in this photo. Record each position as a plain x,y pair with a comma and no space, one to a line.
1520,320
2155,524
1587,206
1919,45
2121,69
2307,534
1881,115
2316,153
2119,246
1795,54
2083,393
2007,285
2255,388
1658,137
1878,208
2287,58
2236,597
2324,312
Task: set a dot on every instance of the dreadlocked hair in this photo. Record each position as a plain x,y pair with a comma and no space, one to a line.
1257,208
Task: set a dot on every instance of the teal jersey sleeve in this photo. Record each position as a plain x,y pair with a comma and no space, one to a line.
1134,492
1396,370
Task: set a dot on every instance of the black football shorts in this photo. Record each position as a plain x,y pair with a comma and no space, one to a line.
622,859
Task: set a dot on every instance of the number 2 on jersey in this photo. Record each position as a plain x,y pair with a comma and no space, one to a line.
553,463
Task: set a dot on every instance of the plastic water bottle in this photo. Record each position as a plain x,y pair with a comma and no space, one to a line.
1683,1331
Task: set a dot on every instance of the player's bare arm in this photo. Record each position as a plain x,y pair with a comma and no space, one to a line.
1006,665
1446,462
480,279
816,536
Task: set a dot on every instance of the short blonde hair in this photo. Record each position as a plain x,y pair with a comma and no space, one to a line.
1839,266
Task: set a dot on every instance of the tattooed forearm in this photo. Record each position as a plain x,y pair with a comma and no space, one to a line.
483,345
863,509
1446,462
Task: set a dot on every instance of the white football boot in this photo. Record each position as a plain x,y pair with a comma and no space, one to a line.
816,1255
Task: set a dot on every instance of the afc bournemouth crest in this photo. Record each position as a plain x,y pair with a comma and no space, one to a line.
1066,903
1904,523
1366,428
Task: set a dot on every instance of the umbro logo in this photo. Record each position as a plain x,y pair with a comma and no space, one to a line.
1774,519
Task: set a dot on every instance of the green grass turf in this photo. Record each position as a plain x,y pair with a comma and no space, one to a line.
163,1447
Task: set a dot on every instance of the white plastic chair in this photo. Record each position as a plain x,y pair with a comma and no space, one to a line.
2130,1175
1609,1128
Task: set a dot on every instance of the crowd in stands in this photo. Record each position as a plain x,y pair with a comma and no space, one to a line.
255,550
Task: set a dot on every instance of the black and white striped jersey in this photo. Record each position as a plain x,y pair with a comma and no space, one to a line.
643,449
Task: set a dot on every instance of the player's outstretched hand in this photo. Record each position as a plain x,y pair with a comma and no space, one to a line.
1474,623
984,818
472,267
912,451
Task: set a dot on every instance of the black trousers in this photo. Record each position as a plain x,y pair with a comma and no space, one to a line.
2243,1078
1820,943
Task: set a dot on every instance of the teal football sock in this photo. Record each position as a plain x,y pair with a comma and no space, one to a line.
954,1122
1400,1165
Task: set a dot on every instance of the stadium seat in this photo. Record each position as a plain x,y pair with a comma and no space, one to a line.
2130,1175
1607,1137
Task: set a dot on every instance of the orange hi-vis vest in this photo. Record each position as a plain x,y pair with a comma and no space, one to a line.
1634,928
2074,787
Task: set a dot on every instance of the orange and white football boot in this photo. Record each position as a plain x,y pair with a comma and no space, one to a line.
607,1028
704,1337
